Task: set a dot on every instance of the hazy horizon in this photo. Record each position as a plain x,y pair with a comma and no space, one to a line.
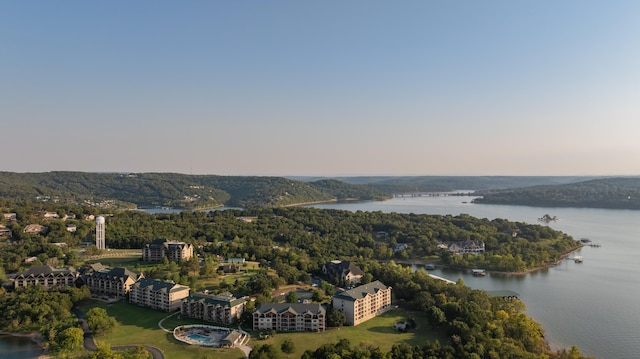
327,89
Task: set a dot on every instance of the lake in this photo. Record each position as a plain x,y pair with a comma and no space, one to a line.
593,304
18,348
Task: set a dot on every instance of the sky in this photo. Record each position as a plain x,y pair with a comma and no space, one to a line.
321,88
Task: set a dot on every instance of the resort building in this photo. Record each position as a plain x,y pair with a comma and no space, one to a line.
364,302
46,276
158,294
222,308
343,271
157,250
472,247
287,317
114,282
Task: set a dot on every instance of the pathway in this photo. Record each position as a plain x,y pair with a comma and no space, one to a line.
90,344
162,320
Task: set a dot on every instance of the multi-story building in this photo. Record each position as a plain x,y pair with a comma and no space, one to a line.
111,281
223,308
46,276
158,294
364,302
343,271
287,317
157,250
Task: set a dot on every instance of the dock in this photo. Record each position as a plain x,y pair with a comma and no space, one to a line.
440,278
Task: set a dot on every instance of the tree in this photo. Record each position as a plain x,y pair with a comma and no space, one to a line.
288,346
335,318
292,297
103,351
71,339
317,296
99,321
267,351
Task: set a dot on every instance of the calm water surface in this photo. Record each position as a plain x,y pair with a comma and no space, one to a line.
18,348
593,305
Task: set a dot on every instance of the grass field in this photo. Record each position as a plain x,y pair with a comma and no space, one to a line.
138,325
377,332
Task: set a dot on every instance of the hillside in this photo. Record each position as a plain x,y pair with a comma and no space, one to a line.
617,193
409,184
171,189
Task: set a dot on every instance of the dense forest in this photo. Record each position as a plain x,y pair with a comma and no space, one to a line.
312,236
117,190
619,193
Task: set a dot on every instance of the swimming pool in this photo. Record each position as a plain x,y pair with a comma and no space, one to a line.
200,338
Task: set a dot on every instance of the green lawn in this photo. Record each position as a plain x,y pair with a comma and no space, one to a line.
377,332
138,325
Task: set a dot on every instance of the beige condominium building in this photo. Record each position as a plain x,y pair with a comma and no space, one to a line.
286,317
364,302
46,276
221,308
158,294
160,248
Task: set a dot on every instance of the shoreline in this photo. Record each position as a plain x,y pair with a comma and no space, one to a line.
35,337
309,203
525,272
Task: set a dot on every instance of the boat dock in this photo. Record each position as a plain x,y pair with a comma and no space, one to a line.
440,278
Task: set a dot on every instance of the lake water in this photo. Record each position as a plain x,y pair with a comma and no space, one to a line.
593,305
18,348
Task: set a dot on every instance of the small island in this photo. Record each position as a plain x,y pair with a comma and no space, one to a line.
547,218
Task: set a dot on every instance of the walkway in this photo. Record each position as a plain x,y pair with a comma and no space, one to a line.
90,344
162,320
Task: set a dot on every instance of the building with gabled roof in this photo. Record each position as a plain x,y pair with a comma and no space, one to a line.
46,276
158,294
221,308
160,248
290,317
343,271
110,281
364,302
463,247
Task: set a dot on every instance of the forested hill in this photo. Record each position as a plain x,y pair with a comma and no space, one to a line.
618,193
173,190
410,184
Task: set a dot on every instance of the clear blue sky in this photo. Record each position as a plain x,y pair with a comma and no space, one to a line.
321,88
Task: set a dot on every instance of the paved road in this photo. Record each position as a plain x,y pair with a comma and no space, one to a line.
90,344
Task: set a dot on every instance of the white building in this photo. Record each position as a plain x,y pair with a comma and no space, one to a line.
100,243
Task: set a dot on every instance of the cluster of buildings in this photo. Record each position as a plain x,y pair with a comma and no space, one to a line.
358,304
121,283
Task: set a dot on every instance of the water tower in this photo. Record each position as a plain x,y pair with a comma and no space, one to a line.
100,232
